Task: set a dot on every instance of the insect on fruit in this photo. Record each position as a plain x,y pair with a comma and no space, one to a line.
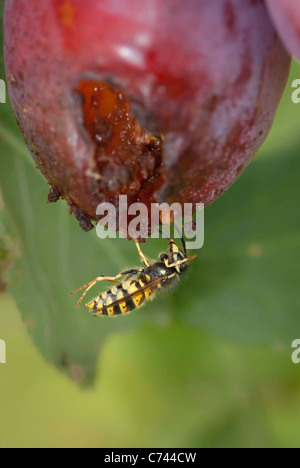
132,293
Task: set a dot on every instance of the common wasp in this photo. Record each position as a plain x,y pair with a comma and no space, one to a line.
139,284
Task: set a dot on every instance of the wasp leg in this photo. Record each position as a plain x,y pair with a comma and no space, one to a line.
130,273
144,260
88,287
88,284
111,279
180,262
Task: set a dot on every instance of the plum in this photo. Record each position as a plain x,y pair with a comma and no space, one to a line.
161,100
286,17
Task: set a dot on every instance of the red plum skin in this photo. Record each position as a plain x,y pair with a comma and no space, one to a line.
286,17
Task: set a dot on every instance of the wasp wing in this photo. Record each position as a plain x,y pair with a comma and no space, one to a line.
152,285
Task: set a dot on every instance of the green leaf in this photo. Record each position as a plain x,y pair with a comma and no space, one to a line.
247,277
242,285
55,258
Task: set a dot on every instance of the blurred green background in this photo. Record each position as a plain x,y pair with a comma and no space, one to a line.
206,366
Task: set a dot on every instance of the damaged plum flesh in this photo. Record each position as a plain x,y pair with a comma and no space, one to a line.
162,101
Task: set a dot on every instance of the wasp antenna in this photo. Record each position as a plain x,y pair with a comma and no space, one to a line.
163,234
181,237
192,258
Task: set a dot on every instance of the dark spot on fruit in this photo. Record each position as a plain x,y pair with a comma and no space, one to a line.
229,16
212,104
54,195
82,217
20,75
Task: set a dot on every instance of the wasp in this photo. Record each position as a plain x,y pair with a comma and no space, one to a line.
138,284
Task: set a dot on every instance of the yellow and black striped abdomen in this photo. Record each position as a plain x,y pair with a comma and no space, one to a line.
122,298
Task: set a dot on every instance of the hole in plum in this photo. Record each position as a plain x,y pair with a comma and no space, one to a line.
127,157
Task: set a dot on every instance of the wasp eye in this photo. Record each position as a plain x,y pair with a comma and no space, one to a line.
163,257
